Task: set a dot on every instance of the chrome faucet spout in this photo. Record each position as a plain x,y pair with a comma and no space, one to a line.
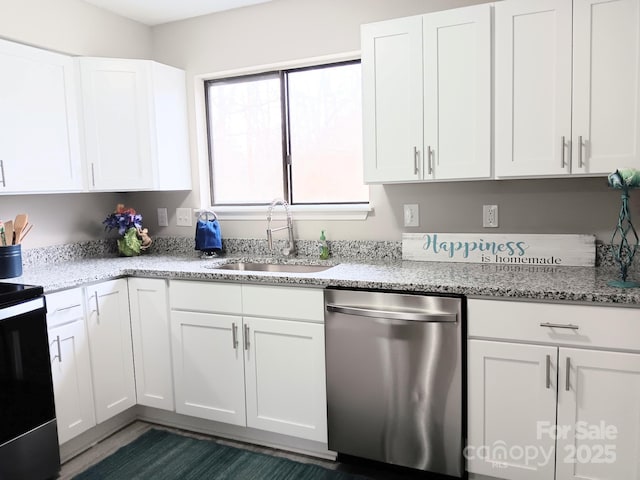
290,250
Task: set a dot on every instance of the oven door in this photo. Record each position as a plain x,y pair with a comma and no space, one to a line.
26,388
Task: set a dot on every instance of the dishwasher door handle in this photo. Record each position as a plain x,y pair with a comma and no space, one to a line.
393,314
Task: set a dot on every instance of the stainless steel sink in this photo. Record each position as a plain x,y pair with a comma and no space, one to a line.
273,267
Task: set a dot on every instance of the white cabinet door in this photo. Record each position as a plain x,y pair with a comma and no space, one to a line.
606,85
511,396
285,377
136,132
116,101
457,93
532,87
170,128
110,345
70,366
208,366
39,142
392,100
151,333
600,414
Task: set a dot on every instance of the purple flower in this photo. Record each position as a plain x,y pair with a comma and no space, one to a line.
123,219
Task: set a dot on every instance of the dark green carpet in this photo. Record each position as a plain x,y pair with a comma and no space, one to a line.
161,455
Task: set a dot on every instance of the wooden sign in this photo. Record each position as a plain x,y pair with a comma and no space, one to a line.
509,249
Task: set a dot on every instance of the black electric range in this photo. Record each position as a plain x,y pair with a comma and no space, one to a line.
28,429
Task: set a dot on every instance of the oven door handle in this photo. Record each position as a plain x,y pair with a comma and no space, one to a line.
409,316
21,308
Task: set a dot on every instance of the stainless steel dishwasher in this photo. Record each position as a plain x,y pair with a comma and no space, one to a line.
394,378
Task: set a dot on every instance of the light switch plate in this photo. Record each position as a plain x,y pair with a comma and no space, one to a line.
183,217
412,215
163,217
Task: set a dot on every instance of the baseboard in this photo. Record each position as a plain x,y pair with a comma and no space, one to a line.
234,432
88,439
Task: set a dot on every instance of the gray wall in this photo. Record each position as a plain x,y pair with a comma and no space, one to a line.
287,30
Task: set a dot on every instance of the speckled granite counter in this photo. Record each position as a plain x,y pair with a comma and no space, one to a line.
575,284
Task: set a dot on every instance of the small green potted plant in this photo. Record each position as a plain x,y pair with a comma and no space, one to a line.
133,238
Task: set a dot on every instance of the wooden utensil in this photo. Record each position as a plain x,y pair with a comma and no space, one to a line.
18,226
26,231
8,232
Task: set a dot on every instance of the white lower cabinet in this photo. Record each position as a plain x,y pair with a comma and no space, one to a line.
70,367
208,366
508,399
565,409
285,377
264,373
110,346
150,331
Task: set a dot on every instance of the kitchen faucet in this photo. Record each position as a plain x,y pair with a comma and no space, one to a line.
290,250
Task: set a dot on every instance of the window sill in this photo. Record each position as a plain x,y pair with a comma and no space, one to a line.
299,212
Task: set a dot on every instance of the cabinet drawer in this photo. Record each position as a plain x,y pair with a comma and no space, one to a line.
579,325
64,307
205,296
283,302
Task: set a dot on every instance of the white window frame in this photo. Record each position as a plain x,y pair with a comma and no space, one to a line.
259,212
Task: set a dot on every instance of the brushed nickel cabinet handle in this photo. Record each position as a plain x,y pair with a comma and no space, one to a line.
95,296
429,165
416,156
580,151
234,334
246,337
93,175
59,349
562,162
568,375
4,184
548,371
560,325
64,309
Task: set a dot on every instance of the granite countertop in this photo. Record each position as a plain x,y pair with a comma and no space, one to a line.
573,284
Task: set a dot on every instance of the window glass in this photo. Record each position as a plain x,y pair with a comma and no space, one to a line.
325,123
245,135
250,147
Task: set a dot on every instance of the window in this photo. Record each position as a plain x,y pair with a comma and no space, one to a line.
295,134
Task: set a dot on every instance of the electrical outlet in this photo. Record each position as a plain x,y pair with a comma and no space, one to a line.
163,217
489,216
183,217
412,215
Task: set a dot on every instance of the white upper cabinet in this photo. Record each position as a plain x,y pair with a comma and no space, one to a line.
532,87
427,96
392,100
566,86
135,125
39,143
606,85
457,93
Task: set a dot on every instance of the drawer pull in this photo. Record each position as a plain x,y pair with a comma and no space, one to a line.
63,309
548,371
560,325
568,376
246,337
